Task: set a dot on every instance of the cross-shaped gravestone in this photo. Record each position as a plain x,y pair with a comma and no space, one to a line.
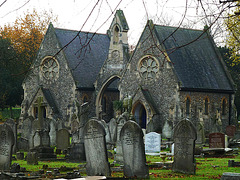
40,113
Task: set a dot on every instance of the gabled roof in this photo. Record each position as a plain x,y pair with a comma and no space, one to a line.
85,55
50,100
150,100
122,20
197,65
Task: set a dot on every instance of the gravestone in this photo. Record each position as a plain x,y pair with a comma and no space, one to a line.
77,152
119,155
27,131
37,139
63,139
231,130
152,143
95,149
134,158
200,133
184,143
53,132
167,130
45,138
13,125
6,145
113,129
23,144
32,158
216,140
108,135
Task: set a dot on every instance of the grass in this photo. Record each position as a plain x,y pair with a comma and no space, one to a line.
206,168
5,114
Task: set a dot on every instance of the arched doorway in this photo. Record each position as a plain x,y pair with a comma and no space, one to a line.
140,115
104,102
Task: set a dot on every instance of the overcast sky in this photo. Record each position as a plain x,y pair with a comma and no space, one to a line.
73,13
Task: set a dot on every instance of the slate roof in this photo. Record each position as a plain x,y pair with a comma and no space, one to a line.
150,100
197,65
50,100
122,19
85,60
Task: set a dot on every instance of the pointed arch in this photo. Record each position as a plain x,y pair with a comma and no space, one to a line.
206,105
224,106
140,114
116,31
188,104
100,94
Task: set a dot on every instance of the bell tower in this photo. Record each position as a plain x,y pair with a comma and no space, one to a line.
118,50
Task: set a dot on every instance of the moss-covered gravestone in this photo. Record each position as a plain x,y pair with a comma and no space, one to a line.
134,158
95,149
184,144
6,145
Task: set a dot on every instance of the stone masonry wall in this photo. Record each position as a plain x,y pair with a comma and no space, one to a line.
163,88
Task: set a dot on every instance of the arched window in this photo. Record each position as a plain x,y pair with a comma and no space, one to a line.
35,112
206,106
85,98
104,104
116,35
188,101
224,106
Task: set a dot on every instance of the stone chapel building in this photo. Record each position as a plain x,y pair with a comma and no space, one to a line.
173,74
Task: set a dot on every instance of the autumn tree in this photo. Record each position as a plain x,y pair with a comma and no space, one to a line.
233,34
19,44
27,33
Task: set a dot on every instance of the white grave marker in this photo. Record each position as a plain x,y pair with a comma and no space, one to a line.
153,143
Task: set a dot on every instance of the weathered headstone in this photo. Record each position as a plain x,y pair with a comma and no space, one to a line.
108,135
184,143
119,155
32,158
6,145
167,130
63,139
95,149
23,144
134,158
13,125
153,143
216,140
45,138
200,133
27,131
113,129
20,155
37,139
77,152
53,132
230,176
231,130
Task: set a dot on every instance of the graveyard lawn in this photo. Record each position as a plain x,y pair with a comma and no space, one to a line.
5,114
207,168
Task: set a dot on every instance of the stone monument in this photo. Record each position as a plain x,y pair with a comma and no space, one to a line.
6,145
134,158
95,149
152,143
184,144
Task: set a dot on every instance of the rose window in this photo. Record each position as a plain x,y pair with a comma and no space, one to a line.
50,69
148,68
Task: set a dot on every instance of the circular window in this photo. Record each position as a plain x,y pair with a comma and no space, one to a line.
148,68
50,68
